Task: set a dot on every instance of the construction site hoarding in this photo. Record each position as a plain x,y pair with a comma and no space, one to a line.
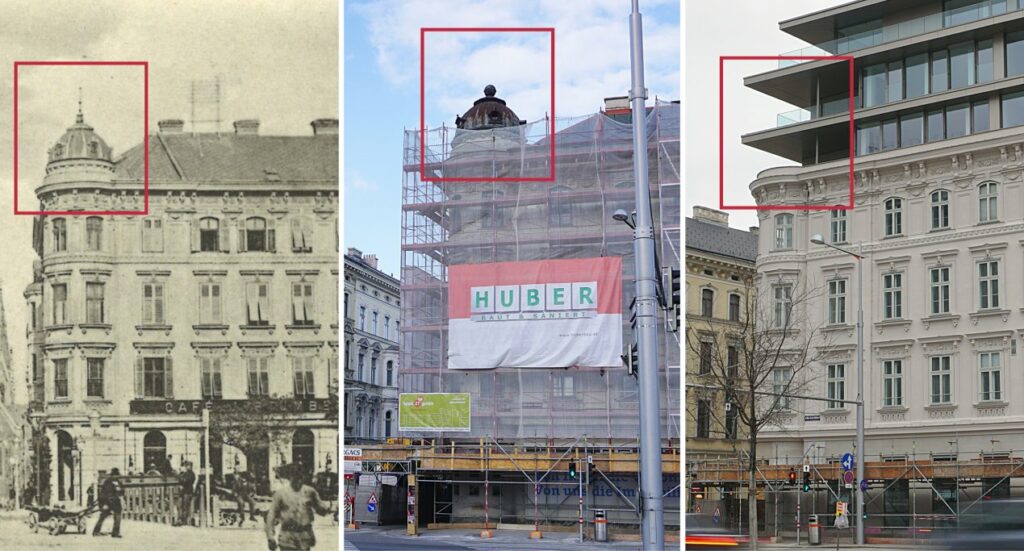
434,412
535,314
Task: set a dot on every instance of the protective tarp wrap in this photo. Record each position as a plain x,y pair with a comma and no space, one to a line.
540,314
447,224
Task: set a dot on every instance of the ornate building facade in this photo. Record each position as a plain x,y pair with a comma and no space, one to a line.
372,325
224,291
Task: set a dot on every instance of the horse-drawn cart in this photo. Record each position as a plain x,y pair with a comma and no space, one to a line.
58,521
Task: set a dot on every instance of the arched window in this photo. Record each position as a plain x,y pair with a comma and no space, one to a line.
734,307
940,209
154,450
707,303
893,216
209,234
784,231
60,235
257,235
303,452
94,233
559,207
988,202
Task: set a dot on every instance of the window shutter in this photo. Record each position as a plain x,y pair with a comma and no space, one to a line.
271,236
297,302
140,380
296,235
147,303
215,302
158,304
194,232
307,237
223,236
168,378
241,240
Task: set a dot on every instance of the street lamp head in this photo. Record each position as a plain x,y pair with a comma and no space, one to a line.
817,239
620,215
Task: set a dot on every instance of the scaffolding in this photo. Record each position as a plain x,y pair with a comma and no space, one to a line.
913,497
445,223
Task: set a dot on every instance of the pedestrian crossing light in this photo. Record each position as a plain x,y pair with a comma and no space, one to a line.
673,300
792,477
572,470
807,481
631,359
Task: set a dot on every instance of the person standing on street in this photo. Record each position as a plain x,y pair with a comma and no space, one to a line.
293,506
110,503
186,489
243,494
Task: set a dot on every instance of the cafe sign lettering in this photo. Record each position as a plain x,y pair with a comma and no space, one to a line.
195,407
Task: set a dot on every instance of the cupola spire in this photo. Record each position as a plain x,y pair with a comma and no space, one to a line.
79,118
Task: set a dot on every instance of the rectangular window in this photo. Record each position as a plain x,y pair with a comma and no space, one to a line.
302,238
781,378
941,382
958,121
985,62
387,327
979,116
837,226
990,365
734,307
940,209
60,304
869,138
733,359
94,303
836,381
1012,110
1014,54
912,129
706,352
359,366
961,65
302,371
257,298
837,301
94,233
873,85
60,378
156,378
935,126
362,318
707,303
939,290
259,376
895,84
988,284
152,304
890,138
917,75
302,303
892,384
892,295
60,235
152,235
703,419
373,370
958,12
210,304
94,377
988,202
374,326
783,305
940,72
210,372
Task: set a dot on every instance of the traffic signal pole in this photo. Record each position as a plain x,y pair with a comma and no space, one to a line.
652,503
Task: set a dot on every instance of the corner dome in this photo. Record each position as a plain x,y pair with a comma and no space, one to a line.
80,142
488,112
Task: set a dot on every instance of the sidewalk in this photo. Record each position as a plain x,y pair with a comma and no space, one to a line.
393,537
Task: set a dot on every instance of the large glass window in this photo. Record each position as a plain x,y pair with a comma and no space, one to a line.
1013,108
961,65
917,76
936,126
985,61
890,139
940,71
912,129
1015,54
979,116
958,12
869,138
873,92
895,84
958,121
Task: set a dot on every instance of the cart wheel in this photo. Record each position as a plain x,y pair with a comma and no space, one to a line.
81,525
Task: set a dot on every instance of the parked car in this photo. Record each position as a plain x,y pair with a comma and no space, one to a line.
996,525
702,532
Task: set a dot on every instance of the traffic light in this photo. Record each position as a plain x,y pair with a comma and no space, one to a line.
673,301
807,481
572,470
792,477
631,359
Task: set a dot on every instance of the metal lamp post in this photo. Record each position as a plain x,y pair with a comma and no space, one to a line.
859,452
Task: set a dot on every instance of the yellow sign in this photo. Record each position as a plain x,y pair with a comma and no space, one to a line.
840,508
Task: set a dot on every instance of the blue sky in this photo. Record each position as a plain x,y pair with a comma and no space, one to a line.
381,96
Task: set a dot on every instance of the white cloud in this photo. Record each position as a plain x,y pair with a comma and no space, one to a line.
357,182
591,48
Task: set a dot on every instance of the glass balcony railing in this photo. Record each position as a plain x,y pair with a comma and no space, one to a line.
828,108
792,117
963,13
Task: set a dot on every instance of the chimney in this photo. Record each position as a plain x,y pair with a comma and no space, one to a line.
711,216
371,260
618,104
325,127
352,251
249,127
171,126
755,230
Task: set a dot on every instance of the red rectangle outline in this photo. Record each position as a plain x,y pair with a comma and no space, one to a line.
721,131
145,139
423,131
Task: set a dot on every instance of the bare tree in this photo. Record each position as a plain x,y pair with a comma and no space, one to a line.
251,424
758,364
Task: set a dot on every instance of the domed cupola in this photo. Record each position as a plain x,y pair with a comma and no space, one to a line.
80,142
488,112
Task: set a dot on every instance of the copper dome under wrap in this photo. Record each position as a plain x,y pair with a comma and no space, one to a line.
488,126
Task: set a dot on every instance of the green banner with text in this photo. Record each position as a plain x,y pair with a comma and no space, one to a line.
434,411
